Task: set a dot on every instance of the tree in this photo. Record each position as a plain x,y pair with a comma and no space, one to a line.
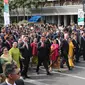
1,11
28,4
14,5
24,4
1,7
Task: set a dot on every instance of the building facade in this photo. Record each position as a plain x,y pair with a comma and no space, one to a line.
60,12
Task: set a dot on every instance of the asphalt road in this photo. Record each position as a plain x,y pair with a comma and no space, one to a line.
73,77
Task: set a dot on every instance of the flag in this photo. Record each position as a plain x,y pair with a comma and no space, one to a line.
6,13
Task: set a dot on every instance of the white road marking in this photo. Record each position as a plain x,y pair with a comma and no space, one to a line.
78,77
82,61
69,75
35,82
80,67
35,74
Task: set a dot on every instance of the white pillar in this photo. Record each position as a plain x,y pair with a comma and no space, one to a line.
46,19
59,20
52,19
65,20
71,19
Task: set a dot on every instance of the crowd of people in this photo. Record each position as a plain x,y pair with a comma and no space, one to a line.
46,44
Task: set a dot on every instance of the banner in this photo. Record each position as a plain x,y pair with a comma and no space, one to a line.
80,17
6,13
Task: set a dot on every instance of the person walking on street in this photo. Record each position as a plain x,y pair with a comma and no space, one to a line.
42,56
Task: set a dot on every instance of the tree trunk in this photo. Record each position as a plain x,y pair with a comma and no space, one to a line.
31,11
24,12
17,14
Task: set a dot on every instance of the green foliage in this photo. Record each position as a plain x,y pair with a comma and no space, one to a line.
24,3
1,7
1,12
28,4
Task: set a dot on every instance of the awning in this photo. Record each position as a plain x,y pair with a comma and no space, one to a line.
34,18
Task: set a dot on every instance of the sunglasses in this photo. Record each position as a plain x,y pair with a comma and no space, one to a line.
18,73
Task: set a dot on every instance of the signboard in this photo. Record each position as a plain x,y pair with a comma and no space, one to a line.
80,17
6,13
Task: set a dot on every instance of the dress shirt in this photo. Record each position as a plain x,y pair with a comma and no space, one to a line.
9,83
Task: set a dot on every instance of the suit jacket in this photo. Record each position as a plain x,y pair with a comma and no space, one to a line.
82,43
20,46
27,53
8,45
64,47
42,51
18,82
1,70
75,43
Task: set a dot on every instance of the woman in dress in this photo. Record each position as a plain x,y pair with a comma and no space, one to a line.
4,59
54,53
6,56
15,53
34,51
71,53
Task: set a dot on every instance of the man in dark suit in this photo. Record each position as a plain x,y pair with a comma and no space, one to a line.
26,53
7,43
20,46
76,50
12,75
82,46
42,56
64,53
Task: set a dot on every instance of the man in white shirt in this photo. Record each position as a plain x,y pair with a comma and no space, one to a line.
12,74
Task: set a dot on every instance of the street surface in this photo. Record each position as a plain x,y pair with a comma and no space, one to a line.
73,77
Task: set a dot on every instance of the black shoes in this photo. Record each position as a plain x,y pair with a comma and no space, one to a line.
24,77
77,61
38,72
61,66
28,77
48,73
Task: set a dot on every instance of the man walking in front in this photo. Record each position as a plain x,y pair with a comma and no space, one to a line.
12,74
42,56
